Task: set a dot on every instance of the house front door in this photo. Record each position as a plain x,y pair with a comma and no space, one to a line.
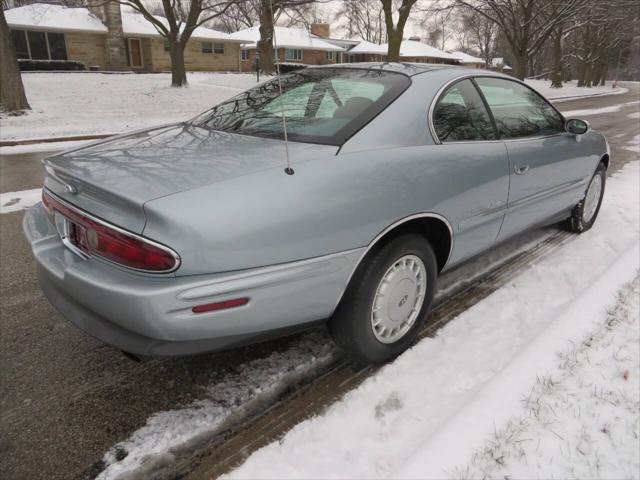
135,52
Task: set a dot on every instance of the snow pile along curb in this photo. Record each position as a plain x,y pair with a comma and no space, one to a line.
502,396
427,412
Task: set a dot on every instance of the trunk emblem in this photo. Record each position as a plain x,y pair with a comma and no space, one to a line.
70,188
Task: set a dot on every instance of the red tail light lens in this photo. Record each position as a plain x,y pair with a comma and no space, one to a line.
212,307
95,237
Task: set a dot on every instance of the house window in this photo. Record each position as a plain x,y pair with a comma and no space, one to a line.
167,47
218,48
244,54
292,54
57,47
207,47
329,55
20,42
39,45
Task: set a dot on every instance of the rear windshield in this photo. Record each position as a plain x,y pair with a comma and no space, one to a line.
321,105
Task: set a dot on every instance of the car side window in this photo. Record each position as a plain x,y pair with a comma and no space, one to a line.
519,112
460,115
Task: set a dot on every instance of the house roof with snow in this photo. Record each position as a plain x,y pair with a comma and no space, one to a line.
408,48
54,18
466,58
287,38
369,48
134,24
58,18
498,62
411,48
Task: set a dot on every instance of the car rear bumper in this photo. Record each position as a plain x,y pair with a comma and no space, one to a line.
151,314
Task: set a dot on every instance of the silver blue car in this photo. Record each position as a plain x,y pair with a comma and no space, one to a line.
334,194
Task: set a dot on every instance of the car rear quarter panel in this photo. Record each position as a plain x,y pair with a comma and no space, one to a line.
330,205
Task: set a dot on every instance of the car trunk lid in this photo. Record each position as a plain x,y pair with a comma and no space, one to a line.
113,179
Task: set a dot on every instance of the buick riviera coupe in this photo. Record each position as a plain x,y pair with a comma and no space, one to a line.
198,236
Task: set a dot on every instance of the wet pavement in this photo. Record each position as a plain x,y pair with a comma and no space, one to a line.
66,398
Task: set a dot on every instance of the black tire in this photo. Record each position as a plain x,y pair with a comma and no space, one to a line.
576,223
351,325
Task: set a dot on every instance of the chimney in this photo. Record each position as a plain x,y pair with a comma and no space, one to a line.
322,30
109,13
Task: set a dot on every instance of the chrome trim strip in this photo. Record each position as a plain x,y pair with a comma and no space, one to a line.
441,90
142,239
387,230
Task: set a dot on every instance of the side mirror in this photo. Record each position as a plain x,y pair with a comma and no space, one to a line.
575,126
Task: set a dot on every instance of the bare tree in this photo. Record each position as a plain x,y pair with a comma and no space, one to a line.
12,96
395,31
181,18
525,24
362,19
440,24
603,33
481,34
238,16
269,11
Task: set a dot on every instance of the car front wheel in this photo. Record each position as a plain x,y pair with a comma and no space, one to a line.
585,212
387,301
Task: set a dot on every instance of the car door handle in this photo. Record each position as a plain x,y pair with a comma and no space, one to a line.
521,169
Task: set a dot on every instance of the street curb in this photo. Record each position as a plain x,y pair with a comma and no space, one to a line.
75,138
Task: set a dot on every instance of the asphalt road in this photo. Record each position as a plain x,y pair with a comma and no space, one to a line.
65,398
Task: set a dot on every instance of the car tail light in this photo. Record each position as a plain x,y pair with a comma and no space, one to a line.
212,307
93,236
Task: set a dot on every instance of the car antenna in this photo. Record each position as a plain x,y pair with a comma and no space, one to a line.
288,170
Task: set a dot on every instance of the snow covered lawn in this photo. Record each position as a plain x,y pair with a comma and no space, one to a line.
452,406
571,89
65,104
69,104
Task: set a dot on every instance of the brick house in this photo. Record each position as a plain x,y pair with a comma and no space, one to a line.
106,37
295,46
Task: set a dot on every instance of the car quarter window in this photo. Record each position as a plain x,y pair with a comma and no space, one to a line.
519,112
460,115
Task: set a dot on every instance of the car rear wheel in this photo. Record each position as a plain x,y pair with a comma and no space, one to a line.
585,212
387,301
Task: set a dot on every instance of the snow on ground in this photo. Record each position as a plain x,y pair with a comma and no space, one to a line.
69,104
599,111
42,147
581,421
428,411
633,145
570,90
167,433
65,104
14,201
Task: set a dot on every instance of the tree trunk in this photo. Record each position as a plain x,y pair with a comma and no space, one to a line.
12,97
556,76
178,70
521,64
265,44
604,74
582,71
393,49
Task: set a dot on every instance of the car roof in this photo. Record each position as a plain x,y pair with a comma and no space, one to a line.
408,68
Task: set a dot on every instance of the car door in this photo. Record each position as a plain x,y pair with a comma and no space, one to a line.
476,162
547,167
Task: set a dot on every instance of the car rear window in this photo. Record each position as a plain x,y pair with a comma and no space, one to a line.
323,105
